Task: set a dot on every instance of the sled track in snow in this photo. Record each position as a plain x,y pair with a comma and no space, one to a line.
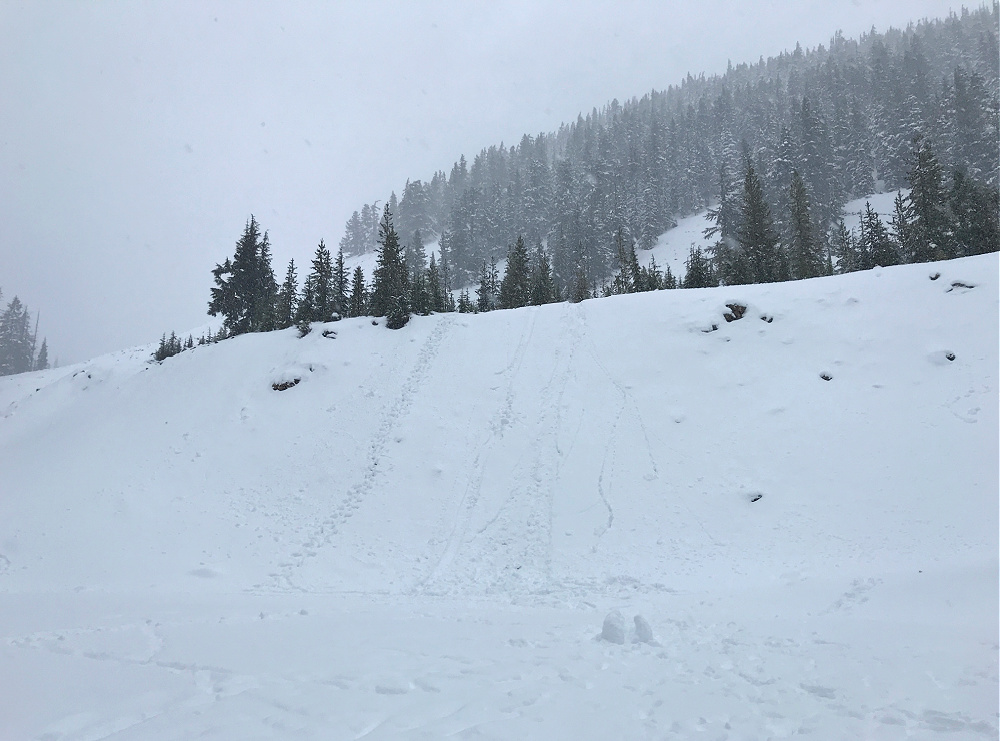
461,522
323,534
513,548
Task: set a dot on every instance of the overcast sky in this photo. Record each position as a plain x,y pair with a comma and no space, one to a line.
137,138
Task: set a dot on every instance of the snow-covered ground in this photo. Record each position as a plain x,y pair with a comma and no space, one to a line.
424,537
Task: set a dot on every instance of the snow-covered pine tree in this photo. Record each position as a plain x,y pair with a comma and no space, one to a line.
341,289
244,286
543,289
16,343
287,300
975,213
758,243
359,294
42,361
318,301
390,292
698,270
805,253
515,288
927,200
875,246
844,247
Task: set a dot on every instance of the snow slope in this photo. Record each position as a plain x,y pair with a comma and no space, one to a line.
424,536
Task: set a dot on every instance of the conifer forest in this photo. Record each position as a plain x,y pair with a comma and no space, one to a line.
772,149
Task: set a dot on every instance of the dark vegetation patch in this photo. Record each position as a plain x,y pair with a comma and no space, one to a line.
285,385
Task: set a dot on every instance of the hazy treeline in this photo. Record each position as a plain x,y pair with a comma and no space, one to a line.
19,349
843,116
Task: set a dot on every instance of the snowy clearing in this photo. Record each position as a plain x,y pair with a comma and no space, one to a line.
429,534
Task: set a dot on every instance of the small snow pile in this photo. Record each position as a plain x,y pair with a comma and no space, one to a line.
643,632
614,628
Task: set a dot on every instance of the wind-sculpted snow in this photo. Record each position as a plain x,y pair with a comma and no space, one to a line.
790,521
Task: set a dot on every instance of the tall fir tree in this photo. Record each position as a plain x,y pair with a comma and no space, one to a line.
543,289
359,294
42,361
16,342
341,283
435,292
287,300
319,301
758,242
875,246
975,212
489,286
844,248
928,205
698,271
244,285
805,253
515,288
390,291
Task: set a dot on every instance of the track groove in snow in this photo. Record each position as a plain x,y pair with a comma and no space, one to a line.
324,535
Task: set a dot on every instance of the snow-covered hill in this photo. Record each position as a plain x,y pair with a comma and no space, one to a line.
423,536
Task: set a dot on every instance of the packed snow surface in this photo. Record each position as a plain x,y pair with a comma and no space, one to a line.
621,519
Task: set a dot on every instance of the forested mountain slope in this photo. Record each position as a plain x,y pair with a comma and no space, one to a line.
843,116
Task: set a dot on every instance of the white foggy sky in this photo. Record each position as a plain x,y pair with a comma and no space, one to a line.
136,137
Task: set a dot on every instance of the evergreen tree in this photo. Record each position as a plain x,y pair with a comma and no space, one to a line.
42,362
928,205
435,292
805,253
902,227
698,270
580,290
415,255
265,288
245,288
17,351
758,243
359,294
286,304
844,247
975,212
420,299
543,289
465,303
875,246
169,346
390,291
629,278
489,286
515,288
341,289
651,276
318,302
669,279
